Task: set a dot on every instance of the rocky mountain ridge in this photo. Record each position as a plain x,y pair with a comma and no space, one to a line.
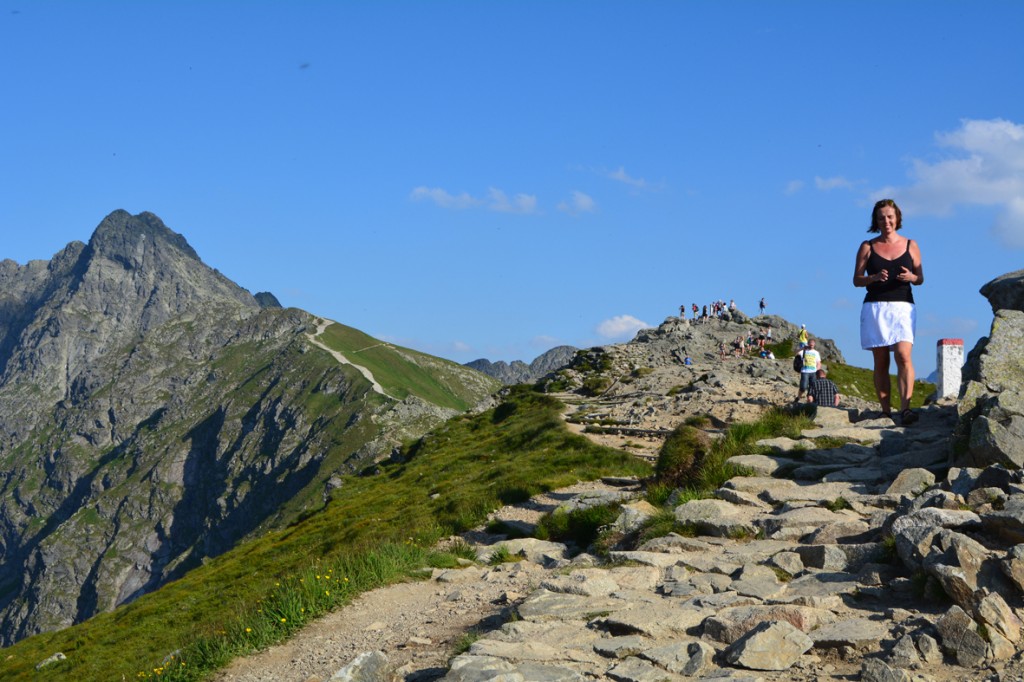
153,414
518,372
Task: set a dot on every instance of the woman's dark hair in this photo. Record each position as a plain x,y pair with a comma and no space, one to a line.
879,205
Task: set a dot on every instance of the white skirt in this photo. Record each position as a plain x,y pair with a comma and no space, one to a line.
886,323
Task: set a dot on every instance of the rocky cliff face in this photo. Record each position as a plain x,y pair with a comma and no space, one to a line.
518,372
991,396
153,413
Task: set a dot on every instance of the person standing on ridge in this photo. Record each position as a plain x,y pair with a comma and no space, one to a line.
888,265
762,305
812,363
802,337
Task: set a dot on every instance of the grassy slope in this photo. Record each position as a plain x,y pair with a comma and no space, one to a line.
394,371
449,482
858,381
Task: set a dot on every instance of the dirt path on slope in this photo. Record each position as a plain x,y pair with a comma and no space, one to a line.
416,624
322,325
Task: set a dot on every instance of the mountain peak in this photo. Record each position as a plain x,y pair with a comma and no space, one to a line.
122,234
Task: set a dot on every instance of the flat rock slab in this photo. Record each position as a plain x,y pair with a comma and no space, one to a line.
667,620
683,658
769,646
810,518
826,417
763,465
538,551
656,559
716,517
860,633
636,670
729,624
521,651
468,668
823,585
545,605
859,474
782,444
621,647
781,490
854,433
587,584
849,454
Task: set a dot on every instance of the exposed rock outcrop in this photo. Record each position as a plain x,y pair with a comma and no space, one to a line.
518,372
153,414
992,394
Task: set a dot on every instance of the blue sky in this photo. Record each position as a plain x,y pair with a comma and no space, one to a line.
491,179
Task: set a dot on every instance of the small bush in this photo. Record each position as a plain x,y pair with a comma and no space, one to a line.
838,504
660,525
658,493
466,640
502,556
506,529
699,421
596,385
580,526
681,456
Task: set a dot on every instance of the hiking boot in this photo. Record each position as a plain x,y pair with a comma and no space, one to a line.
908,417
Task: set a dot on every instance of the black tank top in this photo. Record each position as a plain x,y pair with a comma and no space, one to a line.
891,289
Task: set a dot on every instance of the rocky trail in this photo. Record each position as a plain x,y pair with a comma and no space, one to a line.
888,559
791,577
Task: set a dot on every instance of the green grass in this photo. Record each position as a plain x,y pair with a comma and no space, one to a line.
399,371
447,482
660,525
859,382
697,473
579,526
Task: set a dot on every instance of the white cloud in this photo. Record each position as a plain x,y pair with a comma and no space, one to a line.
985,168
461,347
624,177
620,326
545,342
827,184
443,199
1009,225
520,203
496,200
579,203
794,186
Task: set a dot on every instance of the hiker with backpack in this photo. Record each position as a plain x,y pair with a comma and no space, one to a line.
809,362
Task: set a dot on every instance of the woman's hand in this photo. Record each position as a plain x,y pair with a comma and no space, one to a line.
906,275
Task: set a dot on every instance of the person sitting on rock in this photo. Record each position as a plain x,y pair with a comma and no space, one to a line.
823,391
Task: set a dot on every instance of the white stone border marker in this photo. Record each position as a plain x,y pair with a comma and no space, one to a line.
950,358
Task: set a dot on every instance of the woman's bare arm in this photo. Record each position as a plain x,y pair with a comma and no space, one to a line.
859,278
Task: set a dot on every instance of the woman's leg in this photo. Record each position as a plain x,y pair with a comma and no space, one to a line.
883,384
904,372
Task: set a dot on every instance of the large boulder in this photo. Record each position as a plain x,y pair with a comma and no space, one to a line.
991,405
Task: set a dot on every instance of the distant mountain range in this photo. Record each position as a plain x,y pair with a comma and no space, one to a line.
153,414
518,372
